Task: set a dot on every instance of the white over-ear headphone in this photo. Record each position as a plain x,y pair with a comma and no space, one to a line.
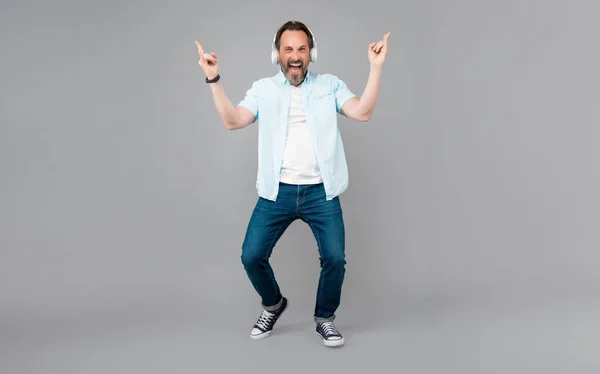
275,52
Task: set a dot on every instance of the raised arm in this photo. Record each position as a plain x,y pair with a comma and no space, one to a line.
362,108
233,117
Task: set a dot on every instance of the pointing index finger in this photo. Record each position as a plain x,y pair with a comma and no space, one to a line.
200,50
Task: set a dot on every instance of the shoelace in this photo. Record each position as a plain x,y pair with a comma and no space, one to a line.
265,319
329,329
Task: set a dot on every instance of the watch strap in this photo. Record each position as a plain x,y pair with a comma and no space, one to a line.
215,79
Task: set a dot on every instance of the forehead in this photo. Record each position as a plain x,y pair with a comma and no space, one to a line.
294,38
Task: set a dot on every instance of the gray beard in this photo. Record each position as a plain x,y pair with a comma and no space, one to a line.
295,79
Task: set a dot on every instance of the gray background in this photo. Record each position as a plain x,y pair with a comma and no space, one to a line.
472,212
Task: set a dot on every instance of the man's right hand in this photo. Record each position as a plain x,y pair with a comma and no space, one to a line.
208,62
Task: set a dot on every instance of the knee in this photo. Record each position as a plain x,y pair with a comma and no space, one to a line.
250,258
333,261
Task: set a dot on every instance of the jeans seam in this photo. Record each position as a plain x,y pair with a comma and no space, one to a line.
272,244
297,200
317,237
319,247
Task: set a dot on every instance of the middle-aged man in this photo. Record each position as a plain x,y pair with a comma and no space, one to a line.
302,166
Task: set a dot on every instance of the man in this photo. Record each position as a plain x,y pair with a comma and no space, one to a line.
302,167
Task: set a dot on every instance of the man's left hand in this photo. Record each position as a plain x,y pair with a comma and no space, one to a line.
378,51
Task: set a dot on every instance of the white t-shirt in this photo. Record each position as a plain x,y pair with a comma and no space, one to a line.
299,161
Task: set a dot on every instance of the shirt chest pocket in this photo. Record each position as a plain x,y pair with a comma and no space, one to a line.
322,105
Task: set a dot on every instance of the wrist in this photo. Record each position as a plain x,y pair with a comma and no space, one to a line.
375,67
212,78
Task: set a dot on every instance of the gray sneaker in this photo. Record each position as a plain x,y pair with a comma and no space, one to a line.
266,321
330,334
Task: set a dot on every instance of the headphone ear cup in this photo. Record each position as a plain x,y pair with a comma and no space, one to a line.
313,54
274,57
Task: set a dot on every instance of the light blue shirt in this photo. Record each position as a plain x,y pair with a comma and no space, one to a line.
323,96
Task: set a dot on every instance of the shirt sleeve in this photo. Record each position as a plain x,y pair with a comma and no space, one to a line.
250,100
342,93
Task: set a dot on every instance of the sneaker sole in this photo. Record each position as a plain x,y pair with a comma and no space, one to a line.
260,336
331,343
267,333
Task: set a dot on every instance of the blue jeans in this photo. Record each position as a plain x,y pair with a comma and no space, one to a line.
268,222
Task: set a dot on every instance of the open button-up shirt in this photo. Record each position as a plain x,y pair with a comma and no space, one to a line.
323,96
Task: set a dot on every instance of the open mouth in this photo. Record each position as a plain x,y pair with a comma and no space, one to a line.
295,68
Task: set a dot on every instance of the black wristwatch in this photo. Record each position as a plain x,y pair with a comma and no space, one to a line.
215,79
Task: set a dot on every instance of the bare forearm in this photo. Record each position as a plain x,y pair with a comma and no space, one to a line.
225,107
368,99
